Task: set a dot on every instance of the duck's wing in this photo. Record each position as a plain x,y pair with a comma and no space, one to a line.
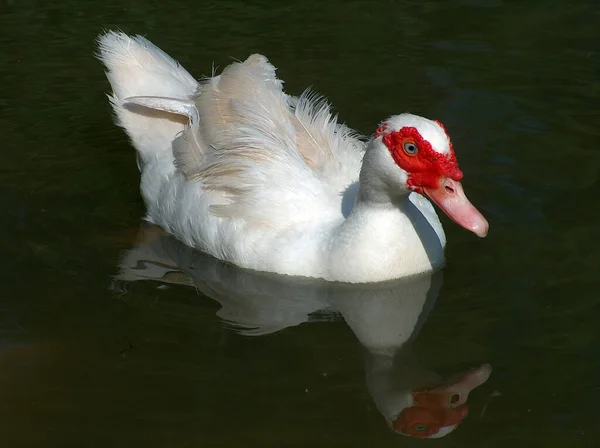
246,147
267,155
331,149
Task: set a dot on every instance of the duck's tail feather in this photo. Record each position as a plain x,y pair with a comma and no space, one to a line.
137,68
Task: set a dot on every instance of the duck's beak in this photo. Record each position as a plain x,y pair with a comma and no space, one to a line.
456,390
450,197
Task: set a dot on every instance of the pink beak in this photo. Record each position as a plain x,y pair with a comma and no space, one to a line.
450,197
458,389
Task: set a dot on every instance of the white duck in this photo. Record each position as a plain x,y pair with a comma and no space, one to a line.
237,168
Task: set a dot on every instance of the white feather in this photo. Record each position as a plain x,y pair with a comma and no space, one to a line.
136,67
331,149
188,148
170,105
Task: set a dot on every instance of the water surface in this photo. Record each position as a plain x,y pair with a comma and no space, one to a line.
90,360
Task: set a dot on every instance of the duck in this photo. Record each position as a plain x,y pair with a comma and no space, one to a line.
385,318
235,167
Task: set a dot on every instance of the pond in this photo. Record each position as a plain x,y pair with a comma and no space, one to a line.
114,334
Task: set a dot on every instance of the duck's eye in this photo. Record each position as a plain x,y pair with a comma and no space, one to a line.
410,148
419,427
455,398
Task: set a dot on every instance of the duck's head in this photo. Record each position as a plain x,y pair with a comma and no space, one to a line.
414,154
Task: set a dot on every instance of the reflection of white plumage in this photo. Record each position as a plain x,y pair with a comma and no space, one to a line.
385,317
241,170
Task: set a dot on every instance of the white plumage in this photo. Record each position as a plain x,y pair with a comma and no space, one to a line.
241,170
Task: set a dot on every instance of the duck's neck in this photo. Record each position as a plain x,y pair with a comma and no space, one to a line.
384,237
392,376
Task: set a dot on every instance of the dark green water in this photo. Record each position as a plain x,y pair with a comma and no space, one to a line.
87,361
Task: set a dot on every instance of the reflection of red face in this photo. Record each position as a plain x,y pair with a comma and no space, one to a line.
440,407
430,412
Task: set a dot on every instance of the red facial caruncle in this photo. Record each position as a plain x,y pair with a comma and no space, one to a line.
425,167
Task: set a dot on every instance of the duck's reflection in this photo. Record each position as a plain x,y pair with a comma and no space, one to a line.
386,318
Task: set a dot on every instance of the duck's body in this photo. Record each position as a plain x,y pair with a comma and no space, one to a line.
235,167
